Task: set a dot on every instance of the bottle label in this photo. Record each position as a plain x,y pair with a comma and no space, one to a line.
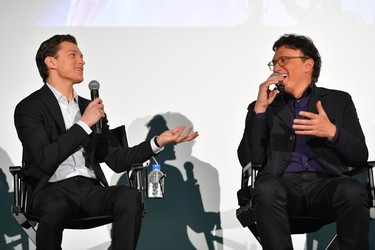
155,188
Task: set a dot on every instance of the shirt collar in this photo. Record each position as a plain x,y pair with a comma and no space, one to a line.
305,94
59,96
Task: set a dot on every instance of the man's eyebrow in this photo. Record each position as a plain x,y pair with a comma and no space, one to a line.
75,51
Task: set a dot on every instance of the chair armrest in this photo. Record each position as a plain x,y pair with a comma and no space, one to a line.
137,175
371,177
249,172
16,172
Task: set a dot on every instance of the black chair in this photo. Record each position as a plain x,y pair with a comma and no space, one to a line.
298,225
136,178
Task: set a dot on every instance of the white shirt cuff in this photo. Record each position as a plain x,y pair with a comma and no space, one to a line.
84,126
154,147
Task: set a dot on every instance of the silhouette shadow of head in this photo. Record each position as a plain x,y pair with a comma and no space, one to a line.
165,225
156,126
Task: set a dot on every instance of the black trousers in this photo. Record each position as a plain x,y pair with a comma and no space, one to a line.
79,196
307,194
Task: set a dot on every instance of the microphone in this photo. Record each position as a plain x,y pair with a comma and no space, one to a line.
280,87
94,88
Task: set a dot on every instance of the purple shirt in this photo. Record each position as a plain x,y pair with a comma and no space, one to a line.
302,159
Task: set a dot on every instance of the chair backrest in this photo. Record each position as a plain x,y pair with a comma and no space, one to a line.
120,134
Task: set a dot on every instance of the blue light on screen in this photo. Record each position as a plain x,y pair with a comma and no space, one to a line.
129,13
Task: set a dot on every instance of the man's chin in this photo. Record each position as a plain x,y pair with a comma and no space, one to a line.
78,81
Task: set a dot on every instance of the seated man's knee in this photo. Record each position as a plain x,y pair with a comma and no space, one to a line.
55,213
128,199
268,189
351,192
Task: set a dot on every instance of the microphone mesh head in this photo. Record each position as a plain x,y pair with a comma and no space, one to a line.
94,85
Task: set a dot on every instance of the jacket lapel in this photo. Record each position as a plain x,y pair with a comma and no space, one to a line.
91,147
313,99
282,111
52,105
82,104
317,94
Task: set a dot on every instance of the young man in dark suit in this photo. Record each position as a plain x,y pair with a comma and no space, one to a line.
61,152
305,137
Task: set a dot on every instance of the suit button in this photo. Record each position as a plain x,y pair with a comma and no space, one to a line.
292,137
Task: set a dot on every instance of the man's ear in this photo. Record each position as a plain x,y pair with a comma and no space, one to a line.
309,65
50,62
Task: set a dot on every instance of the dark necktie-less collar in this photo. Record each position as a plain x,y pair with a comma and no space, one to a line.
298,104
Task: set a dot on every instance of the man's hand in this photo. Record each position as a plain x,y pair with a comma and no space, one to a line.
94,112
316,124
176,136
265,95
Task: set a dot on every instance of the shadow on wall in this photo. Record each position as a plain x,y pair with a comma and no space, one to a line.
11,233
188,216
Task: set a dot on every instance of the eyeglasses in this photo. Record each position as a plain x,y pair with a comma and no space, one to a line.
283,60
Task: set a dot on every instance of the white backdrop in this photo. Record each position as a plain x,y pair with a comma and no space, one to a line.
204,71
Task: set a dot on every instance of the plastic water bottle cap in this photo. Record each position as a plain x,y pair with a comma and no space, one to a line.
155,166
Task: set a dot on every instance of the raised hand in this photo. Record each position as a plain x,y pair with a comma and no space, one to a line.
315,124
265,95
93,112
176,135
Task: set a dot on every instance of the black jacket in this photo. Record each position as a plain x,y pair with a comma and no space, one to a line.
270,141
46,142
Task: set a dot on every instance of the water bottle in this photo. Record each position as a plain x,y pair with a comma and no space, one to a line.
155,180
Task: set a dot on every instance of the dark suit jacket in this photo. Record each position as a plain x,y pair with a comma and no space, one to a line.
270,141
46,142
